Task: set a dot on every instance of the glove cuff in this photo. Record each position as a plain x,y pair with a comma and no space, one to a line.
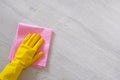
11,71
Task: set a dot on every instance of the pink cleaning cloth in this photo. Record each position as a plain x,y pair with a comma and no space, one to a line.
22,31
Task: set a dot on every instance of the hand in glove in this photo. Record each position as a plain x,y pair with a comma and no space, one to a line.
25,56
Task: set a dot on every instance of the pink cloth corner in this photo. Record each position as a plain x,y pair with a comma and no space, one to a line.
22,31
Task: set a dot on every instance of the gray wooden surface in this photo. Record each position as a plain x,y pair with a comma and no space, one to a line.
86,42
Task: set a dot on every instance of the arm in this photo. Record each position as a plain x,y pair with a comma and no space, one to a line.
25,56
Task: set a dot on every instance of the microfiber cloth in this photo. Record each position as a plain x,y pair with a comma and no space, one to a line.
22,31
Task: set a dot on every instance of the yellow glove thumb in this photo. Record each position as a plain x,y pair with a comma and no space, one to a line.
37,56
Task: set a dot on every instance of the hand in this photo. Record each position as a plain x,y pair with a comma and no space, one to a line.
26,53
25,56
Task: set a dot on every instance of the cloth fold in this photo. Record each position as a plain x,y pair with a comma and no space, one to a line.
22,31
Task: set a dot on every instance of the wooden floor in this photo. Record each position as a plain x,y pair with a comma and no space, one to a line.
86,41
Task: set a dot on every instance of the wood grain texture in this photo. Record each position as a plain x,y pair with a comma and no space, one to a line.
86,41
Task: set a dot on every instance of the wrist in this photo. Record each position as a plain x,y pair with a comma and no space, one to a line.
17,64
11,71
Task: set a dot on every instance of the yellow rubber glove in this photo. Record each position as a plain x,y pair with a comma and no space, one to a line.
25,56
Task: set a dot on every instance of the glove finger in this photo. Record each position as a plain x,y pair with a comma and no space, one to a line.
37,56
36,38
31,39
26,38
38,44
